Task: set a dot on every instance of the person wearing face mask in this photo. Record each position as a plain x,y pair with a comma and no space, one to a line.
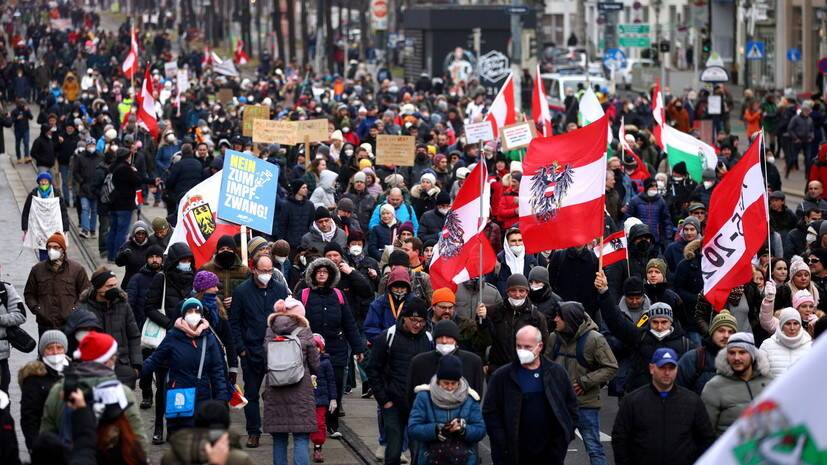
109,304
44,190
502,321
425,194
194,356
36,379
132,254
385,309
357,255
642,248
126,182
641,341
704,190
540,293
167,148
44,150
227,265
54,286
205,288
650,208
530,407
363,201
84,165
433,220
252,301
512,260
679,189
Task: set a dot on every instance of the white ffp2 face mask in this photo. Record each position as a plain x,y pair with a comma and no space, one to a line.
446,349
264,278
516,302
54,254
56,362
525,356
356,250
192,319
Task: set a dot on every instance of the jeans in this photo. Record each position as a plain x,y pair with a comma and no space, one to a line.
301,453
118,230
21,139
66,186
588,423
396,422
89,213
253,373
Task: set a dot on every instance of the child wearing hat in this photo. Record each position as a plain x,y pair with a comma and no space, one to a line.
324,387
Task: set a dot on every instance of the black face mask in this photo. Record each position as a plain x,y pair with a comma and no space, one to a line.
225,259
537,295
643,245
112,294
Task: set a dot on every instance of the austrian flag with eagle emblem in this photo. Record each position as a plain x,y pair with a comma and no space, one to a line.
563,187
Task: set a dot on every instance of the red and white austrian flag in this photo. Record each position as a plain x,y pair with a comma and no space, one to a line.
146,106
563,187
736,227
613,249
503,109
130,64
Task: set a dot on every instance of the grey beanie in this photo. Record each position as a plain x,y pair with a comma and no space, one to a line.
744,341
49,337
539,273
661,310
516,280
694,222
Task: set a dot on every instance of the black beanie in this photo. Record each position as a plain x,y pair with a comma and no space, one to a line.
399,258
414,308
443,198
225,241
446,328
100,278
450,368
633,286
680,168
212,414
321,213
295,185
333,246
154,250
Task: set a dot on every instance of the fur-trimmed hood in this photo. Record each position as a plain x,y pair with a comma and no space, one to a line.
315,265
760,366
427,387
277,326
33,368
418,192
691,249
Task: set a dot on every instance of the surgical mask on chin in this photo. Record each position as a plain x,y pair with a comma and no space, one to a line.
516,302
536,287
264,278
56,362
54,254
446,349
192,319
525,356
660,334
79,335
517,249
184,267
356,250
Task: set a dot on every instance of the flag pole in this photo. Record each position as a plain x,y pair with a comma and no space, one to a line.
482,199
766,195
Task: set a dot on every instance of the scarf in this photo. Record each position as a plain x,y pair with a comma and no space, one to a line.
792,342
48,194
193,333
326,236
448,399
515,263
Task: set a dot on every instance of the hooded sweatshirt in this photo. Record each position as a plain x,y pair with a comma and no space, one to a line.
324,194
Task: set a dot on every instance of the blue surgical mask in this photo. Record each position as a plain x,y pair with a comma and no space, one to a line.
184,267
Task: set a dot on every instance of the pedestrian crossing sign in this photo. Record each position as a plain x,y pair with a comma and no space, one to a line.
755,50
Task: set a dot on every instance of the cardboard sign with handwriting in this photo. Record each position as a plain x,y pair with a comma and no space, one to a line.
395,150
315,130
225,96
253,112
274,132
518,135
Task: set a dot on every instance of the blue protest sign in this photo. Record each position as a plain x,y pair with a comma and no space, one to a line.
248,191
614,59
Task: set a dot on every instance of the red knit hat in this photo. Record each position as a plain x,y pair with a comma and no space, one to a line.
58,239
96,347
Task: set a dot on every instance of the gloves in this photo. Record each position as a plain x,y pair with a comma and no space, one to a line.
769,291
333,405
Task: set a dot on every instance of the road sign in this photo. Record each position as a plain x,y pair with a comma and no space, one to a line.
822,65
794,54
633,29
518,10
755,50
714,74
609,6
614,59
639,42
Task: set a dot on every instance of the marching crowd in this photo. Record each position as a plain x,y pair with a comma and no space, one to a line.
340,289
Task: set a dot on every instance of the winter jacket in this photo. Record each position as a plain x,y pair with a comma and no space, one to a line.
364,203
468,299
422,201
83,172
801,129
654,213
182,354
312,239
635,264
325,389
403,213
126,182
36,380
389,365
9,450
294,219
43,151
424,366
502,409
380,317
163,158
697,366
137,290
131,255
601,367
12,314
119,322
662,292
65,150
673,255
642,342
379,237
501,277
248,313
727,395
653,430
230,278
183,176
292,409
324,195
426,418
88,375
783,352
687,282
571,276
52,295
184,448
430,225
172,286
24,217
333,320
502,322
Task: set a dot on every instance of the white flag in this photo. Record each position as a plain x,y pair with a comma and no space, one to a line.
44,220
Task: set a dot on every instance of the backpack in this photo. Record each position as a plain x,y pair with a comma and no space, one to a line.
579,352
306,295
391,335
285,362
107,189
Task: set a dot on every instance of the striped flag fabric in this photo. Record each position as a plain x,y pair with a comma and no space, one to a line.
539,106
562,192
683,147
130,64
658,112
642,171
613,249
147,117
736,227
503,110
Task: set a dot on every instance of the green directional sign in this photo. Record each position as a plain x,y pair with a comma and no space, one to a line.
633,28
640,42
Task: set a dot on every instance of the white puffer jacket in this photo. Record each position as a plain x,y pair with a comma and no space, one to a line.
784,352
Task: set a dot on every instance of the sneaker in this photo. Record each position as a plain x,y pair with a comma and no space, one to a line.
92,234
158,436
83,234
348,391
366,393
334,434
253,440
379,453
146,404
318,457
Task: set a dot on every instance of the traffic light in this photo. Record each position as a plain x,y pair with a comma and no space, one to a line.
706,48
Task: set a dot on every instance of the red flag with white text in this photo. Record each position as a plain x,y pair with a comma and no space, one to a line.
539,107
462,241
613,248
503,110
736,227
562,192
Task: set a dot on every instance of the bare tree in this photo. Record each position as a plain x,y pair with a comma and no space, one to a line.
291,30
277,28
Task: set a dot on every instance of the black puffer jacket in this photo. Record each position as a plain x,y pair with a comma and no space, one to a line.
364,203
178,288
183,176
389,366
131,255
118,321
294,220
36,380
84,165
126,182
617,272
503,322
571,275
430,225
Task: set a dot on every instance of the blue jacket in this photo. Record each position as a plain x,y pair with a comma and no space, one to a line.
673,255
248,315
182,355
379,317
426,416
294,220
183,176
403,213
654,213
163,158
136,290
379,236
325,382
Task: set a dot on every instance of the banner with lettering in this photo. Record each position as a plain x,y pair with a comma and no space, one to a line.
248,191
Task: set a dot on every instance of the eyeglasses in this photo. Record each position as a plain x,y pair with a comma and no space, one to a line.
812,261
417,321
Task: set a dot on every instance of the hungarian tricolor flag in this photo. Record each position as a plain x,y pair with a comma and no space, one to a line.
642,171
658,113
563,187
736,227
240,57
503,110
198,225
613,249
462,242
683,147
146,106
130,64
539,107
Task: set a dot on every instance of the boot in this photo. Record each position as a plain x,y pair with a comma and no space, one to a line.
158,435
318,456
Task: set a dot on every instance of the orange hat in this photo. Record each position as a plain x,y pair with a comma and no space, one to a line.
58,239
443,294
